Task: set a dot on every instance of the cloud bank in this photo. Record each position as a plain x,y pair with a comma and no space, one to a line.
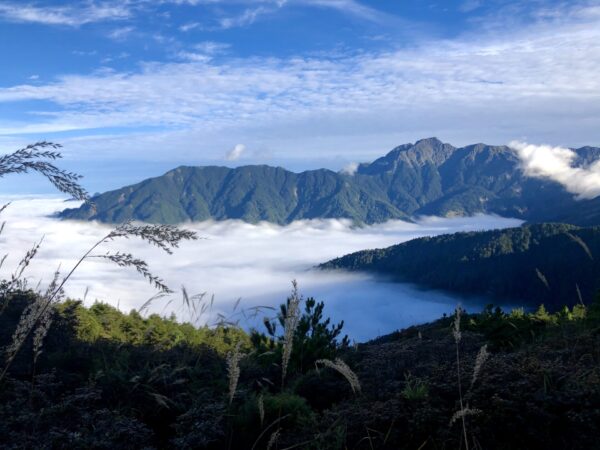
557,164
237,260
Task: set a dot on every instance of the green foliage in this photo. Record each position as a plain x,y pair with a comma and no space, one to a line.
545,263
284,411
516,328
542,315
415,389
315,337
103,321
296,410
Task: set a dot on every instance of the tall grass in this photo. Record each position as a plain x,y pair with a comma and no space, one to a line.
482,357
292,318
342,368
36,319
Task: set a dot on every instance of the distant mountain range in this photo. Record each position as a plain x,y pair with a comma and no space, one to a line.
425,178
536,264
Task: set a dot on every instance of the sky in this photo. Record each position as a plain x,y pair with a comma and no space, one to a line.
133,88
236,260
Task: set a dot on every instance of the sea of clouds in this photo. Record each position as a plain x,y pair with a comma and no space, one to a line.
235,260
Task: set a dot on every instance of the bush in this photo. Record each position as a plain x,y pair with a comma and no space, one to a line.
414,388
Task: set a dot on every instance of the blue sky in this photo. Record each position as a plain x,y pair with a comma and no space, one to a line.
135,87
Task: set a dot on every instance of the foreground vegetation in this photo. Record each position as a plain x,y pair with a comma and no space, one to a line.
105,379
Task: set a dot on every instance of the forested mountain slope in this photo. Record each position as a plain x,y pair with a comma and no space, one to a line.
425,178
543,263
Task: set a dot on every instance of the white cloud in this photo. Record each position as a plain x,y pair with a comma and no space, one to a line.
254,262
235,153
350,169
557,163
532,67
73,16
203,51
189,26
194,57
121,33
84,53
211,47
247,17
110,10
351,7
490,87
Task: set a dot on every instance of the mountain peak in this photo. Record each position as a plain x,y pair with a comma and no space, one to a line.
422,152
431,141
428,177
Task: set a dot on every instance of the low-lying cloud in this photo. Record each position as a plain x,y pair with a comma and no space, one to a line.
236,260
557,164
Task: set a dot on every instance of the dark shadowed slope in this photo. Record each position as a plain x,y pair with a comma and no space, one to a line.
543,263
425,178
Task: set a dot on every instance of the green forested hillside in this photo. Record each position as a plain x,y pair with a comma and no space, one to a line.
425,178
545,263
251,193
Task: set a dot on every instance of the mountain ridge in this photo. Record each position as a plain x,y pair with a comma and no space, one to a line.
551,264
429,177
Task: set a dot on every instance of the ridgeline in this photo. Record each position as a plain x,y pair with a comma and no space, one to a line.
553,264
425,178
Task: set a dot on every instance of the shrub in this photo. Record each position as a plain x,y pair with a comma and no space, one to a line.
414,388
314,338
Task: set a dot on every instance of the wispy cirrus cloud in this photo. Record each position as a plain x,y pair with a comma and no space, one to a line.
121,33
494,88
350,7
266,7
249,15
211,47
189,26
540,65
73,16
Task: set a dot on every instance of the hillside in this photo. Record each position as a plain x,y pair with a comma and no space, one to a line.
251,193
108,380
535,263
425,178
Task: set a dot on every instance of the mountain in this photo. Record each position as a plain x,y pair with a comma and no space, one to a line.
428,177
250,193
541,263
